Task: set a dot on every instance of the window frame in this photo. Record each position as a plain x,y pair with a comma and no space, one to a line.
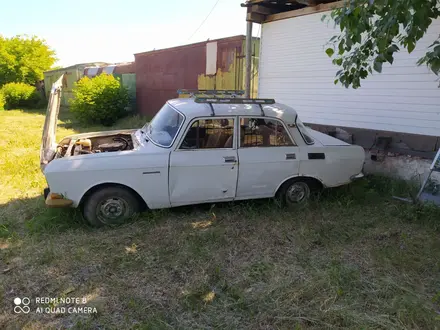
192,121
294,144
300,132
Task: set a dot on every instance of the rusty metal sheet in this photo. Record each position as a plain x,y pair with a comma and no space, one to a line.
159,74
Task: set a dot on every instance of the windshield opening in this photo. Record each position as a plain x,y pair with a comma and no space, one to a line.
304,131
164,126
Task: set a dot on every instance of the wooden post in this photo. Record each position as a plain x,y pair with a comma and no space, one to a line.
248,59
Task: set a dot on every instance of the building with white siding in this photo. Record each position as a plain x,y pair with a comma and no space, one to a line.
396,111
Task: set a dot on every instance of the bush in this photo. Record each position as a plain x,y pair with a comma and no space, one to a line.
99,100
2,101
20,95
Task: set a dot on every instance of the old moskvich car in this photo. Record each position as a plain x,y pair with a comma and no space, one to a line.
195,150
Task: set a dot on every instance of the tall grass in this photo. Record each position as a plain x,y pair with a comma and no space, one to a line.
352,258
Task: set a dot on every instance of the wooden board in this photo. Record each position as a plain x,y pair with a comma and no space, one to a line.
304,11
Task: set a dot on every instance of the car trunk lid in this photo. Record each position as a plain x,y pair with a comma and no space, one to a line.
48,144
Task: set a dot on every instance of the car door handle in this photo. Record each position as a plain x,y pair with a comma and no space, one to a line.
230,159
290,156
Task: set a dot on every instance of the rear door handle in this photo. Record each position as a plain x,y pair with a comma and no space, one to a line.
290,156
229,159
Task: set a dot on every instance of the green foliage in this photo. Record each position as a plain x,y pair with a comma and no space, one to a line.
101,100
432,57
2,101
24,59
20,95
372,31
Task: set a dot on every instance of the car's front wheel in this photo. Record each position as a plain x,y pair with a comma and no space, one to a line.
110,206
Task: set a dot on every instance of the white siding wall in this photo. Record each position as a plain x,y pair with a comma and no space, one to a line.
295,70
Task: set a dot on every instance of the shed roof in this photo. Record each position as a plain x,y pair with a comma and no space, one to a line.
191,109
116,68
79,65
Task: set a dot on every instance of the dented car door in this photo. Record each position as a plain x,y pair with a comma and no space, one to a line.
268,155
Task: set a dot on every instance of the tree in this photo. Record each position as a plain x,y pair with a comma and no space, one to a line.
24,59
372,31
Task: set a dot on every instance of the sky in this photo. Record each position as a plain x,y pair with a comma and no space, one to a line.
112,31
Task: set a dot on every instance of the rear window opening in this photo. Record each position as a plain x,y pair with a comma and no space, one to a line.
304,131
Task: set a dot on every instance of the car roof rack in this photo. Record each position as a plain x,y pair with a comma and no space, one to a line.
213,92
217,100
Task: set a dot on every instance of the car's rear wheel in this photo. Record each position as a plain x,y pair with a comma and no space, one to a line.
297,191
110,206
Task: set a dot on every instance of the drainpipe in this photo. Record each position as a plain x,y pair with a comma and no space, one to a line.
248,59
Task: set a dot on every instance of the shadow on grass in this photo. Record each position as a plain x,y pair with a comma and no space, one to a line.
371,194
33,111
376,191
366,260
30,215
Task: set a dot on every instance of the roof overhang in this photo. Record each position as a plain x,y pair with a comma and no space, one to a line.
264,11
196,44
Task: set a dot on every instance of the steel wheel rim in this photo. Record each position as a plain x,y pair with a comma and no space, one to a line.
112,210
297,192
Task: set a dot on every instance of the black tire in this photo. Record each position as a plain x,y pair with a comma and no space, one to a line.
110,206
296,191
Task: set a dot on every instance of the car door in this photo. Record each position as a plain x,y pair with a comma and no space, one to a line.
267,155
204,167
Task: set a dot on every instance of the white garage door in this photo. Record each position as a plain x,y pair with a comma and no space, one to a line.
295,70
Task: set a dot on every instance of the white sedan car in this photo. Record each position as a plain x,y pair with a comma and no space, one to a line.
195,150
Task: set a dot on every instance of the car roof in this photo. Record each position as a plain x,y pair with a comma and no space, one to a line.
192,109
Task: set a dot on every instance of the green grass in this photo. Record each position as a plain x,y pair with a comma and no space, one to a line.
354,258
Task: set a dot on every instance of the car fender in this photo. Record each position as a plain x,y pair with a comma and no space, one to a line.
299,176
75,176
96,185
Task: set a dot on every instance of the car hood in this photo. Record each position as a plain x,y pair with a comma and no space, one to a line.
48,144
326,140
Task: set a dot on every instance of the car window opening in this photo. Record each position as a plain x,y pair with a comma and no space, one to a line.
304,131
259,132
209,134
